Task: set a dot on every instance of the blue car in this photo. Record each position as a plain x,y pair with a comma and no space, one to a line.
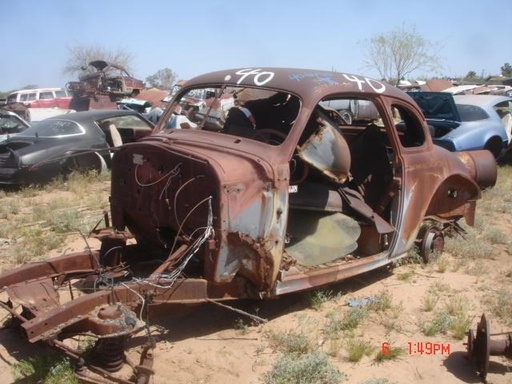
467,122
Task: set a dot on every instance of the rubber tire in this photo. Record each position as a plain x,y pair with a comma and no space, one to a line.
494,145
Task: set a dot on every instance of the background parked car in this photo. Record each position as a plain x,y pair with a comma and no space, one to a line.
41,98
74,142
11,124
38,104
102,84
467,122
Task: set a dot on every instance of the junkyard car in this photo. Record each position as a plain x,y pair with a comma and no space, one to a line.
11,124
41,98
285,196
76,141
38,103
102,83
468,122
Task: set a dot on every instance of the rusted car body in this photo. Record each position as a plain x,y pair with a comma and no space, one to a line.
101,85
286,197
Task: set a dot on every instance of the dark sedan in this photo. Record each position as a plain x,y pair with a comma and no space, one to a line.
80,141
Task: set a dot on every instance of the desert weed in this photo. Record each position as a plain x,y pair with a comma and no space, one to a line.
500,304
390,353
470,247
459,325
439,324
353,318
318,297
357,348
312,368
45,368
429,301
457,304
405,276
381,302
442,263
289,342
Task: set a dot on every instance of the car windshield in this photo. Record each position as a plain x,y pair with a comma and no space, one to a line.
255,113
11,124
53,128
127,121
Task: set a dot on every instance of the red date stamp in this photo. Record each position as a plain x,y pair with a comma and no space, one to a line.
420,348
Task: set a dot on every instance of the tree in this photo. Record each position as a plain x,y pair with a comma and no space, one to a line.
506,70
162,79
398,53
81,55
471,75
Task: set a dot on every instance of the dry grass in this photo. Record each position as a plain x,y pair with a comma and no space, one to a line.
358,348
36,220
429,301
500,305
482,240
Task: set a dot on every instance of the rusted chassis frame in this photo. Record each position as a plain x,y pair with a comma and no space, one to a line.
29,286
34,287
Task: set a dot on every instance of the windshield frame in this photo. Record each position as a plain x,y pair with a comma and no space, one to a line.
213,111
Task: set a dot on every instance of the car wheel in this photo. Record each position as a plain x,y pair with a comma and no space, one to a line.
85,163
494,145
430,242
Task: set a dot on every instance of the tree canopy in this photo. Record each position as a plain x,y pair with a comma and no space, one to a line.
162,79
81,55
471,75
398,53
506,70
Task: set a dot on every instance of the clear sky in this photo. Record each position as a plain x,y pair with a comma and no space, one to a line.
198,36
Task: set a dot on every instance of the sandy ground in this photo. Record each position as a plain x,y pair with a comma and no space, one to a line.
214,345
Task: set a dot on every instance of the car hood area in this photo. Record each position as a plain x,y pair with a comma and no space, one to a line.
437,105
23,151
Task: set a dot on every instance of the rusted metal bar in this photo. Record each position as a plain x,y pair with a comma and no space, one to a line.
12,312
254,317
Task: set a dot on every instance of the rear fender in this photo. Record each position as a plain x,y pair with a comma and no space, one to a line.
455,198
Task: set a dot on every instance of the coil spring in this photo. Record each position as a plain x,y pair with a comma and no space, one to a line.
110,353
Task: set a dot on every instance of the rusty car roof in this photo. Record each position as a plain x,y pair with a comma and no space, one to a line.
304,82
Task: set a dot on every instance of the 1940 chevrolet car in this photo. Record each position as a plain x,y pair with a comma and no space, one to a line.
262,190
